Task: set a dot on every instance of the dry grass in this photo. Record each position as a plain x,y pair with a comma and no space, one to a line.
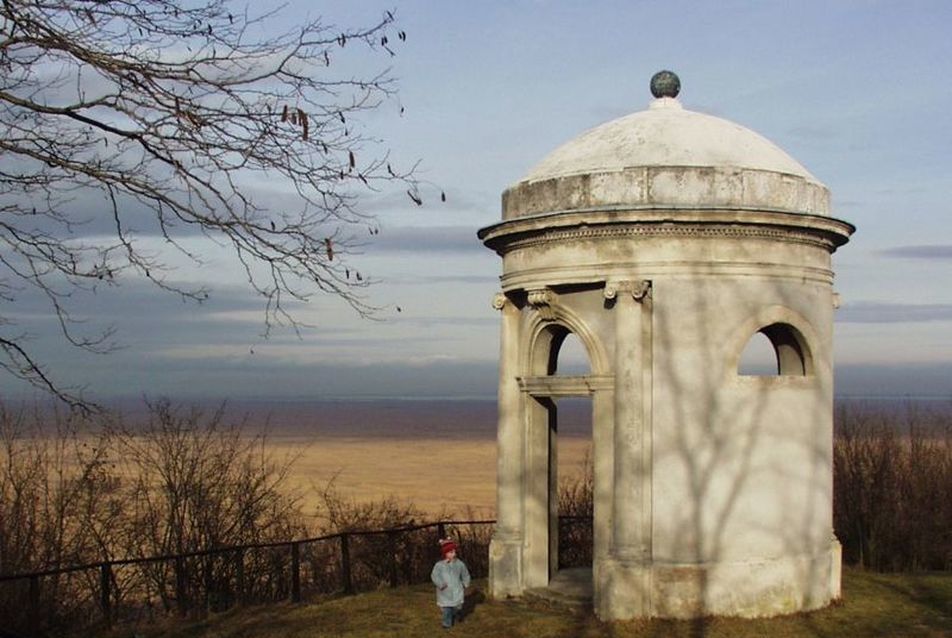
436,475
873,605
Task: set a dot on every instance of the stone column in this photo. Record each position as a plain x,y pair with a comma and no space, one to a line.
629,540
622,582
603,415
505,575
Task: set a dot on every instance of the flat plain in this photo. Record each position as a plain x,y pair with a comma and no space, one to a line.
440,477
439,455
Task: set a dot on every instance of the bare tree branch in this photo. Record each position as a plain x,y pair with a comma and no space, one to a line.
167,110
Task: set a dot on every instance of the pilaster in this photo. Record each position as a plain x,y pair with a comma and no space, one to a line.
623,586
505,564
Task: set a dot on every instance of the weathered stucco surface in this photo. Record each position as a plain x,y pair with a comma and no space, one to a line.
666,134
666,240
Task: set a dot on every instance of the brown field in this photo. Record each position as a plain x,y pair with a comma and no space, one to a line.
456,477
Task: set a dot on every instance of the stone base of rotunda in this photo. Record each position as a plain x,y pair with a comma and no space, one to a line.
505,568
626,590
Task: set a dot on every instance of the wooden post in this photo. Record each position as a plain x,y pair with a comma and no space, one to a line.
240,577
34,609
295,572
207,577
181,595
346,582
440,535
105,600
392,550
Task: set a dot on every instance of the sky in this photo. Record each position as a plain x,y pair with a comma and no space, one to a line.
860,93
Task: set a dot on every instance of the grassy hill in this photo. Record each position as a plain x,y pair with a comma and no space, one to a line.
899,605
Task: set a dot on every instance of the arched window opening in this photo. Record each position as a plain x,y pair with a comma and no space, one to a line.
777,349
758,358
568,357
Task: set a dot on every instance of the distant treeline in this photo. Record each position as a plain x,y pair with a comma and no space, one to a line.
892,484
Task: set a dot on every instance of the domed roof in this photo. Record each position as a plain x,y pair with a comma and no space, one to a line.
658,175
666,135
667,158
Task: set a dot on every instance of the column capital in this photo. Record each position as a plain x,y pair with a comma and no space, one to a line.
637,289
500,300
543,300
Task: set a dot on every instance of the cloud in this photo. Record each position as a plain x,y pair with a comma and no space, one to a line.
185,379
88,210
136,298
878,312
894,381
147,321
456,201
940,252
431,239
427,280
453,321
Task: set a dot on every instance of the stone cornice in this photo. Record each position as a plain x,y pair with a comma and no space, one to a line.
817,230
507,237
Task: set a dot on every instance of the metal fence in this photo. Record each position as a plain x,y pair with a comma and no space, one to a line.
86,598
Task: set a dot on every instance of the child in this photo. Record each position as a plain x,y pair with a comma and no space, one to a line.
451,579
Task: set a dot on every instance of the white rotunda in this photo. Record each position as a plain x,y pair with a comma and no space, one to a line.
665,241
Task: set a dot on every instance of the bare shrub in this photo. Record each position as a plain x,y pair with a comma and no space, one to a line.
380,558
339,513
76,491
59,501
198,482
576,509
892,479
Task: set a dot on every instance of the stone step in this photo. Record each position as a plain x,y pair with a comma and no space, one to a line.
567,588
552,597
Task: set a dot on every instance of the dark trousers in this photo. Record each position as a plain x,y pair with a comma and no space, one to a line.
451,615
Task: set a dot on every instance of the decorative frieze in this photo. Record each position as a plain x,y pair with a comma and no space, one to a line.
819,240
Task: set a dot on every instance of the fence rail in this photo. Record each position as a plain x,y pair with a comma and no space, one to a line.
214,579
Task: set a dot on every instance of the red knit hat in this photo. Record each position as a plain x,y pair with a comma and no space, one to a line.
447,546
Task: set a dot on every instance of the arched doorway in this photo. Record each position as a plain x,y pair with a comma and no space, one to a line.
574,466
560,427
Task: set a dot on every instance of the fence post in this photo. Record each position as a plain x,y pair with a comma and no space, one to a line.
33,613
207,578
392,550
345,576
105,600
181,586
240,576
295,572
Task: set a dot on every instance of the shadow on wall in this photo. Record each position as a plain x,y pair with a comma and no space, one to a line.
740,472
